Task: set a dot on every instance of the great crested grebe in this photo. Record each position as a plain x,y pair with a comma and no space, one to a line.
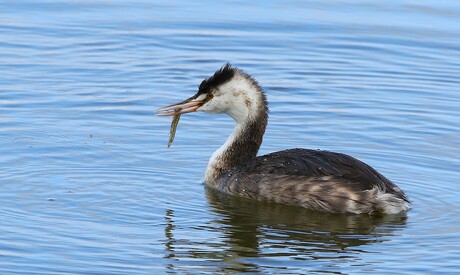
314,179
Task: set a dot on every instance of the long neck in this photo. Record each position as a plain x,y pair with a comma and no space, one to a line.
242,146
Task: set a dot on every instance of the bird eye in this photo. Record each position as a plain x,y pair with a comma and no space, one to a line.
209,96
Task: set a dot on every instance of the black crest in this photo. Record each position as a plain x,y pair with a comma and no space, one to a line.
220,77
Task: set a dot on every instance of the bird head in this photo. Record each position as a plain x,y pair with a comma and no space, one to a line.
229,90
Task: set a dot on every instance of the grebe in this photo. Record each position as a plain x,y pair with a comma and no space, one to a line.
314,179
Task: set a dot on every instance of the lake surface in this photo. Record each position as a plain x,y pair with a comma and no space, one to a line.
89,187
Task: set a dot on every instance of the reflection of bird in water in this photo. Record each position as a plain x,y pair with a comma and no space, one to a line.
313,179
250,224
248,236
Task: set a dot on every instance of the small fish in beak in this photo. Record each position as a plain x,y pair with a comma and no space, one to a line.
175,110
172,131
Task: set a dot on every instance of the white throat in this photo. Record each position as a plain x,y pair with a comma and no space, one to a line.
216,162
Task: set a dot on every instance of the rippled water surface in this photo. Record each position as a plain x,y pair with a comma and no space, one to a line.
89,187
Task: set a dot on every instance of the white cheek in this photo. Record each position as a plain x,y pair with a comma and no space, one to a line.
228,104
210,107
217,105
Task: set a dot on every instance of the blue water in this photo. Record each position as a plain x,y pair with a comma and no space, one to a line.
89,187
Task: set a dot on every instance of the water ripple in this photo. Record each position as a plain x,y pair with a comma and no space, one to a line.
88,185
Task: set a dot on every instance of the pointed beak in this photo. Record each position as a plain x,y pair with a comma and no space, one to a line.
186,106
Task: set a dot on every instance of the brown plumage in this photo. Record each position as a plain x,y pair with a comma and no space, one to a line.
313,179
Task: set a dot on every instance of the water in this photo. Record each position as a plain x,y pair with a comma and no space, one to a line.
89,187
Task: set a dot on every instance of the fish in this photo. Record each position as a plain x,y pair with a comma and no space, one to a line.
172,131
